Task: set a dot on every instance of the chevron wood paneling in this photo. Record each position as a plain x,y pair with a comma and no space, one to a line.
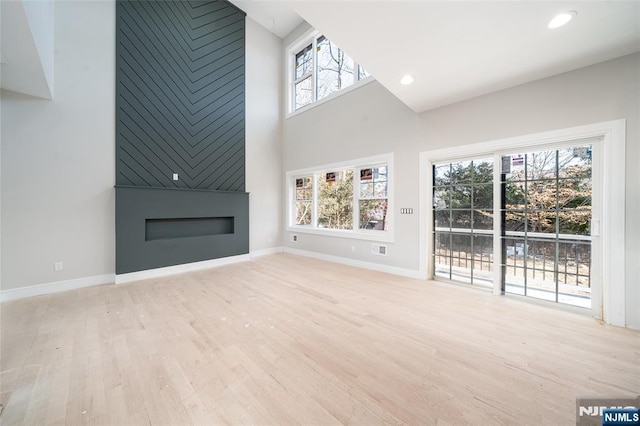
180,94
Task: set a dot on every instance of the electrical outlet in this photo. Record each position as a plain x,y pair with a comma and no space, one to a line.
294,238
58,266
175,176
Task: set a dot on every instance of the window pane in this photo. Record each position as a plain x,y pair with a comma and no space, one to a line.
541,165
303,93
483,171
483,219
483,260
335,199
542,221
461,196
373,182
462,172
461,219
303,212
515,221
575,162
362,73
515,196
366,190
574,193
442,254
441,198
541,195
483,196
380,189
442,218
461,252
442,175
304,60
380,173
575,222
334,69
304,200
373,214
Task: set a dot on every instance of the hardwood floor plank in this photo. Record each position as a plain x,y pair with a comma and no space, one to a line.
286,340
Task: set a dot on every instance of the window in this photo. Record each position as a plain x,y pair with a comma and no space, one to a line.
551,192
335,69
304,78
547,214
320,69
463,221
372,200
304,200
344,199
335,199
544,221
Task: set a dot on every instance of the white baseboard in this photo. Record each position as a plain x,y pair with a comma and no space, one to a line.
410,273
265,252
56,287
178,269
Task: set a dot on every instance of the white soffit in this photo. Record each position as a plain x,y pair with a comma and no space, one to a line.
276,16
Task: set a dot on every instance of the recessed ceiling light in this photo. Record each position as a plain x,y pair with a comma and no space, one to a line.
406,80
561,19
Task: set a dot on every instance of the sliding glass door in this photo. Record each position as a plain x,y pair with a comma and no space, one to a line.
463,212
543,220
547,217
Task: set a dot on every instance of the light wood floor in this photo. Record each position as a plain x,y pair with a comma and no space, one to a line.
286,340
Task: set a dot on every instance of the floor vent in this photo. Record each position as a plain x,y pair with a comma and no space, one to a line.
379,250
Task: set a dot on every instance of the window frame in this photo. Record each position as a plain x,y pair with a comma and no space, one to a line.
311,38
355,232
608,293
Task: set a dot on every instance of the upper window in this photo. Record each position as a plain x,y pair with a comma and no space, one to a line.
320,69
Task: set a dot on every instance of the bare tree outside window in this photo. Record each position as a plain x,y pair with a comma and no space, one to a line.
320,69
335,68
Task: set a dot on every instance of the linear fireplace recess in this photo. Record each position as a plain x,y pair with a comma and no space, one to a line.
158,227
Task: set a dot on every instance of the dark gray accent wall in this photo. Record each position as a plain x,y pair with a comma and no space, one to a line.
188,240
180,109
180,94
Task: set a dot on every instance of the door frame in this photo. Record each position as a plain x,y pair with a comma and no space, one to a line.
608,214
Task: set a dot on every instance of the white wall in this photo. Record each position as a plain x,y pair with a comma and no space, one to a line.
371,121
263,136
58,158
365,122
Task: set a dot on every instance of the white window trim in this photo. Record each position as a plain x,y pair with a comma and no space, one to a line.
608,296
290,56
359,234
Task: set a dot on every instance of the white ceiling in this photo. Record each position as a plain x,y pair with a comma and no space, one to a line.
276,16
457,50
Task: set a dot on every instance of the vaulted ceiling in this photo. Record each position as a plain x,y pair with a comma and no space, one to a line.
457,50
